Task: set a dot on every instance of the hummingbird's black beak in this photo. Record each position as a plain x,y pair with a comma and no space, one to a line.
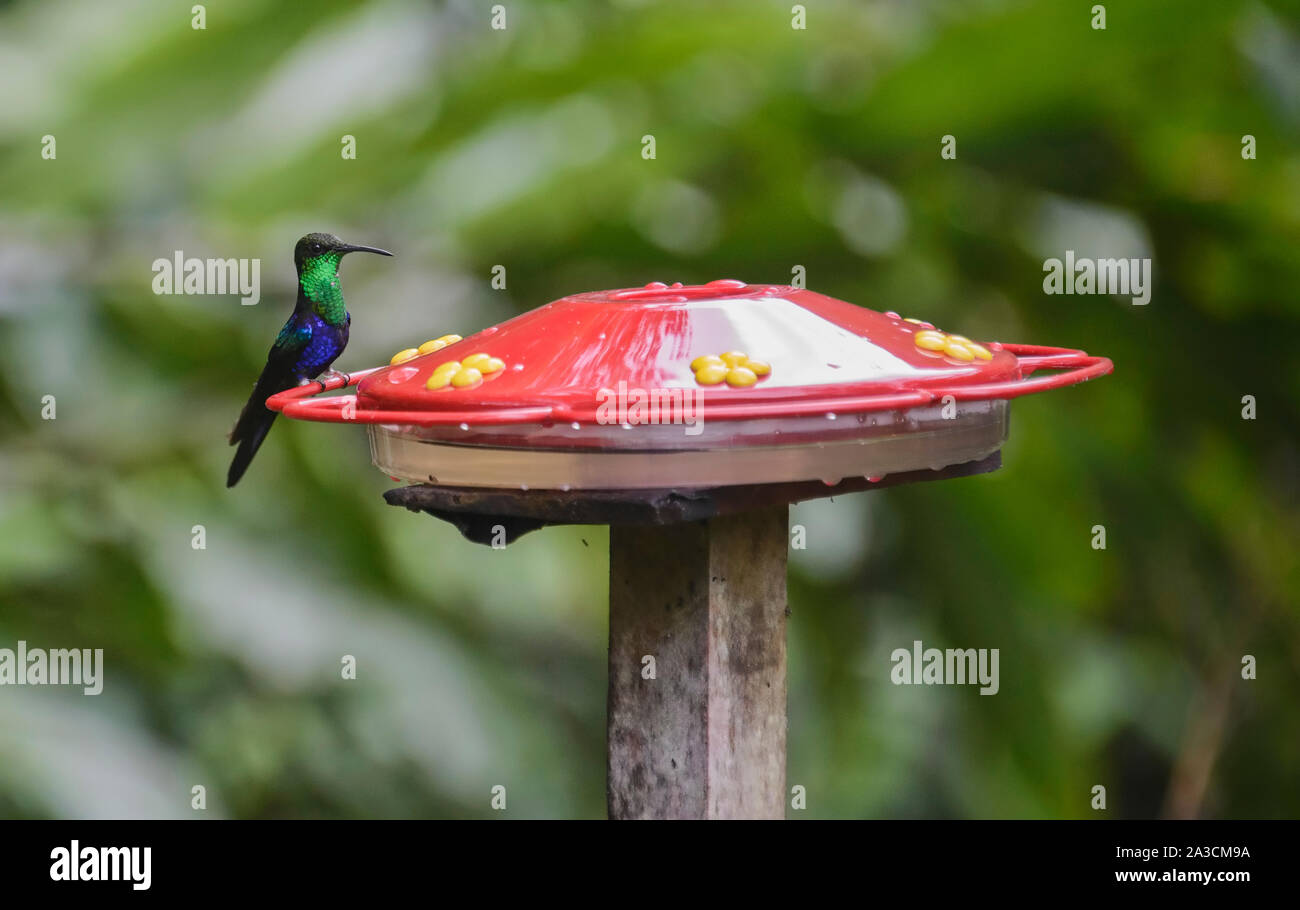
352,248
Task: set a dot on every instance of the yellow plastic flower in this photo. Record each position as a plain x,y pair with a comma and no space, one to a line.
736,368
958,347
464,374
437,344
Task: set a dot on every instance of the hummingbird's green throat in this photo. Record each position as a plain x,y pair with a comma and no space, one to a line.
320,283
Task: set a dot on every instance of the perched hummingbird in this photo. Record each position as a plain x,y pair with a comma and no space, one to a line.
314,336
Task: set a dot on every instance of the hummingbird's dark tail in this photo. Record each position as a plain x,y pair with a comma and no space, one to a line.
251,428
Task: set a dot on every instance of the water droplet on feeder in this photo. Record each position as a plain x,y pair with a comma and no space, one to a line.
464,426
830,415
576,425
875,478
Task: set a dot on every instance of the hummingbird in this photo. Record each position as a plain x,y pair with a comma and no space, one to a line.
313,337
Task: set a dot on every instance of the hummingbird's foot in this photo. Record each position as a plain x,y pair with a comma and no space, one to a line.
333,376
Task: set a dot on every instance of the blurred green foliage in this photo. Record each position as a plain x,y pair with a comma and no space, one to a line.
776,147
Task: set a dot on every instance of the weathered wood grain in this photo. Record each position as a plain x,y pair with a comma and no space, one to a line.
705,738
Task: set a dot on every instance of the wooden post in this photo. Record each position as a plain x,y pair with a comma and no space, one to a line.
704,738
696,582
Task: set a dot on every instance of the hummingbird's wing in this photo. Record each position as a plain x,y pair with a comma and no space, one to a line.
280,373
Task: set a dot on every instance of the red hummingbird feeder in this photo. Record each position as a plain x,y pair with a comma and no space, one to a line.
687,418
546,400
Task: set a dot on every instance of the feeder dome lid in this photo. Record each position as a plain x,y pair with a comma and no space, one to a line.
702,385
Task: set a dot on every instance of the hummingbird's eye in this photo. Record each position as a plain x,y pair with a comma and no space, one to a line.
316,248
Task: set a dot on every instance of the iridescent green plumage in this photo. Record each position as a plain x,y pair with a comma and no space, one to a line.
319,281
